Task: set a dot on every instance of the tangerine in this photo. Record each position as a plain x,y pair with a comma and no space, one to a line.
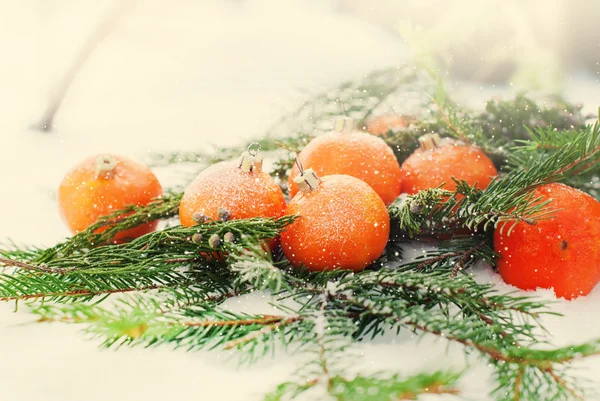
230,190
562,252
103,184
382,124
438,160
355,153
343,223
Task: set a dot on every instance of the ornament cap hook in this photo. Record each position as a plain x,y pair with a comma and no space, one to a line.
105,166
430,141
308,180
345,124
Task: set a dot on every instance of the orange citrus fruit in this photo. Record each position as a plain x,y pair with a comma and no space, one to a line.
437,161
101,185
382,124
242,193
562,252
353,153
343,224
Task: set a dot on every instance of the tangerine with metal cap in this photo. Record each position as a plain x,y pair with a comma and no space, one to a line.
351,152
232,190
342,223
438,160
101,185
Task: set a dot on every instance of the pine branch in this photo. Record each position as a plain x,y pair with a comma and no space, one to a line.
456,255
153,260
514,119
423,309
484,321
142,321
103,231
254,266
358,388
547,142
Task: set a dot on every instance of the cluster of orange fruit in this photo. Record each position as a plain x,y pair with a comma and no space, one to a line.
340,187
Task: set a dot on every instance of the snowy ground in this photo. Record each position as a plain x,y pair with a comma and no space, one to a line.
179,77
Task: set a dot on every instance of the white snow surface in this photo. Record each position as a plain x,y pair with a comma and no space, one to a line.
178,76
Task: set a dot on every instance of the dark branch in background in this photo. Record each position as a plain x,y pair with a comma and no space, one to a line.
104,29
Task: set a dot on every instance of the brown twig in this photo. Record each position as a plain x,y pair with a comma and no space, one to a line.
518,381
577,162
84,293
264,320
563,383
466,256
484,301
547,146
463,137
35,268
436,388
99,34
280,322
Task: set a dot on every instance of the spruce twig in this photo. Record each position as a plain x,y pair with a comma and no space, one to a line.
104,230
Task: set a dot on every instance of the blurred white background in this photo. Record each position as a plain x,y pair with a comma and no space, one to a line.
185,74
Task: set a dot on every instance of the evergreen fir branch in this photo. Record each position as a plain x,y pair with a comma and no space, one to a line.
81,287
172,246
455,255
362,388
155,317
331,327
482,323
394,387
546,142
103,231
153,260
22,253
254,266
400,293
514,119
518,382
143,321
505,121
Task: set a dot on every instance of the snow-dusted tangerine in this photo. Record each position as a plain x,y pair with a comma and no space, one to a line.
382,124
101,185
232,190
355,153
562,252
437,161
343,223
